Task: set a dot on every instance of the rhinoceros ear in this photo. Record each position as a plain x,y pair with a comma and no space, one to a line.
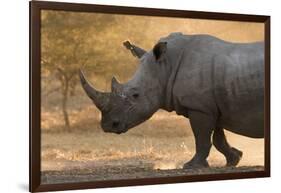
159,49
115,85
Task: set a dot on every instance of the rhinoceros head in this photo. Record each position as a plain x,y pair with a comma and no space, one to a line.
131,103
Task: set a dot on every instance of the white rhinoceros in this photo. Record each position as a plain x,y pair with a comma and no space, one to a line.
216,84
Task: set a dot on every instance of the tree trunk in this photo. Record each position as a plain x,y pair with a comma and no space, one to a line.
64,105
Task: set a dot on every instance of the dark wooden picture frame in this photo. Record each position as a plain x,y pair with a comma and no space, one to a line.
35,93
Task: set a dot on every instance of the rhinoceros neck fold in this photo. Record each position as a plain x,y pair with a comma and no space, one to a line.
169,104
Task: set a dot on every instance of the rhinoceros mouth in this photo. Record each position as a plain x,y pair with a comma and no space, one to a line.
120,132
117,132
110,129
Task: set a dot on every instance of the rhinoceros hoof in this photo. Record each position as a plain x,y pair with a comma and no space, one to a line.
195,164
234,157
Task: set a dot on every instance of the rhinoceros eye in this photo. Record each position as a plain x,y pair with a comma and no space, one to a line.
135,95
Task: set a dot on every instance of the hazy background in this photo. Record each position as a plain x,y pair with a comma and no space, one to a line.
71,134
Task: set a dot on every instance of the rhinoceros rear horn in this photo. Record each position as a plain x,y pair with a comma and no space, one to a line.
100,99
115,85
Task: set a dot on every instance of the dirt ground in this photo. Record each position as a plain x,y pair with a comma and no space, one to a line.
157,148
106,172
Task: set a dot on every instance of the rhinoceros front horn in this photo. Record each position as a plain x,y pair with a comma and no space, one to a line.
100,99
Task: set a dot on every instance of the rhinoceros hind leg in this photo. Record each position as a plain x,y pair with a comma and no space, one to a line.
234,158
202,126
193,164
231,154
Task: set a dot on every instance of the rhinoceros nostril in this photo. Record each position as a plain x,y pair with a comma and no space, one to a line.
115,124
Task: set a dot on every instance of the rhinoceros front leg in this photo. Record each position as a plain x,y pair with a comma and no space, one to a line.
202,126
231,154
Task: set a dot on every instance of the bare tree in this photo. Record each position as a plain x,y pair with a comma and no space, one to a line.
67,45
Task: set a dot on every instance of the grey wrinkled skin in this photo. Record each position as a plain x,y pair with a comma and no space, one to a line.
216,84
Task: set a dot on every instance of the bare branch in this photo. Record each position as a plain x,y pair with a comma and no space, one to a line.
52,91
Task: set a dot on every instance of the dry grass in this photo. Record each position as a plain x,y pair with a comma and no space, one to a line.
165,141
162,137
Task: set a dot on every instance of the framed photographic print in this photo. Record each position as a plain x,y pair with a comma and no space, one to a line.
123,96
